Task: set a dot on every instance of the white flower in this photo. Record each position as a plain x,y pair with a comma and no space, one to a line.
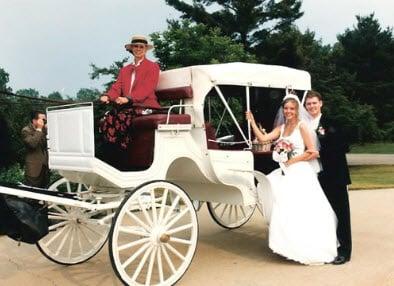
321,130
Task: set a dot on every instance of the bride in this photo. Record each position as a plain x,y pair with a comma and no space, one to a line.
302,224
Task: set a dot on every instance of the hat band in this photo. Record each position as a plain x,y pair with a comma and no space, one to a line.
139,41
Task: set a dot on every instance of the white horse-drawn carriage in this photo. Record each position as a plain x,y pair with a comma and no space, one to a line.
199,150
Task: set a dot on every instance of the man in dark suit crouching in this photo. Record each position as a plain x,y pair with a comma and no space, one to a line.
36,162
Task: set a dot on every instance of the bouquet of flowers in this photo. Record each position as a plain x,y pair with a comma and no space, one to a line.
283,151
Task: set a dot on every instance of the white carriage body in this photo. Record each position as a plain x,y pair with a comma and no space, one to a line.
180,150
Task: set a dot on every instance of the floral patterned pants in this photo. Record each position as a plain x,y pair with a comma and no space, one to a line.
115,126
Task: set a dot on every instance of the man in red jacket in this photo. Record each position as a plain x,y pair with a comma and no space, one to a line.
137,81
133,91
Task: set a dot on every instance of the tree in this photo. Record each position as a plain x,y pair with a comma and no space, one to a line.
88,94
112,71
31,92
366,53
55,95
186,44
4,79
246,21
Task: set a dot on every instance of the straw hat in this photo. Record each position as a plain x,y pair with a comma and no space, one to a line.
138,39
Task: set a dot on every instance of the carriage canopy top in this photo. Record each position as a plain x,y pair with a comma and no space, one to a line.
243,74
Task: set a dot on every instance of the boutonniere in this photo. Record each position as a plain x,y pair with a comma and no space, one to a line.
321,130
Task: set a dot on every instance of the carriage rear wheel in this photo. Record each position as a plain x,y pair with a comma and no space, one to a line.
154,235
75,234
230,216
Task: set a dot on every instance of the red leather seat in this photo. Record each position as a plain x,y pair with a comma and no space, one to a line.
140,153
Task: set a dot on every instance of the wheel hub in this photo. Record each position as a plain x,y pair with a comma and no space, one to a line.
164,238
159,236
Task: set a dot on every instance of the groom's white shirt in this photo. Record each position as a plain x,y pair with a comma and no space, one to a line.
313,124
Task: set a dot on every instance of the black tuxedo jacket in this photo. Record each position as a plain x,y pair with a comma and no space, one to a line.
333,149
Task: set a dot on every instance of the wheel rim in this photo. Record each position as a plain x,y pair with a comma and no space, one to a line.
154,236
74,233
230,216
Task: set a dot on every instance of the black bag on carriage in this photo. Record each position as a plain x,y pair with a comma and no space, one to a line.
23,220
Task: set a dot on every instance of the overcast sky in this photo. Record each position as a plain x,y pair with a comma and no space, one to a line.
48,44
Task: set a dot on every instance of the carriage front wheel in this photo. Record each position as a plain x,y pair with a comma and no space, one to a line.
75,234
154,235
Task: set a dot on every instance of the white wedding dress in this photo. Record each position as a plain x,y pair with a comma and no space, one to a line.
302,224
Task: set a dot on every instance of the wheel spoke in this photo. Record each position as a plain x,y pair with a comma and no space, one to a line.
55,237
180,240
143,208
175,219
68,187
236,213
224,209
79,242
168,259
80,227
173,250
150,267
179,228
163,204
217,205
60,224
153,203
79,188
142,263
57,216
71,245
173,205
91,229
135,255
140,222
133,230
160,265
230,212
56,207
134,243
243,211
62,242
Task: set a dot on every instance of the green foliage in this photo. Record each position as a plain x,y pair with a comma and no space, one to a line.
246,21
31,92
373,148
13,174
186,44
55,95
357,120
112,71
88,94
4,79
388,131
367,53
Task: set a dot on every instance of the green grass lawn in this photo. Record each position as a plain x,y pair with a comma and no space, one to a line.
373,148
372,177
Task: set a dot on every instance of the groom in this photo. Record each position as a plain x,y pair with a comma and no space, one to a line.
334,177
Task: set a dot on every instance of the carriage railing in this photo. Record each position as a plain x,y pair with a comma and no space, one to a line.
221,96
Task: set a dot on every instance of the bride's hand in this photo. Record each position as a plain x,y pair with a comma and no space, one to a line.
313,154
249,116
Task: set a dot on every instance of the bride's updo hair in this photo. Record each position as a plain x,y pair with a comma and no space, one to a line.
292,100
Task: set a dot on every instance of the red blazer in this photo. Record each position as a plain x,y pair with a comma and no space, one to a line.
145,83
